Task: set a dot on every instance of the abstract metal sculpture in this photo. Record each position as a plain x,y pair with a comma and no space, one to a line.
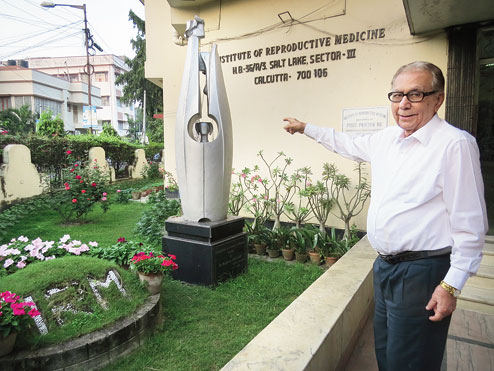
203,148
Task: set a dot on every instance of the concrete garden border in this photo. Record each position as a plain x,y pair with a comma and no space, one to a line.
318,330
93,350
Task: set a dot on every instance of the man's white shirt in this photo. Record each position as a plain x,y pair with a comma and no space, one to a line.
427,191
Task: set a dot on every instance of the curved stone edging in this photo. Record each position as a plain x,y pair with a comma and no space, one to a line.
94,350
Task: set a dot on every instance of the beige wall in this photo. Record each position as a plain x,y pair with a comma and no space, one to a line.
257,109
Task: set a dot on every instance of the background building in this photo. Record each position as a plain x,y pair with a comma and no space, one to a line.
20,86
106,69
326,62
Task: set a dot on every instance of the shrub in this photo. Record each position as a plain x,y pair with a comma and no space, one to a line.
85,186
152,221
120,253
49,126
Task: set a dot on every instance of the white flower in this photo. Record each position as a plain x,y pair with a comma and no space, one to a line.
76,242
93,244
8,263
12,240
65,238
21,265
22,239
15,251
50,257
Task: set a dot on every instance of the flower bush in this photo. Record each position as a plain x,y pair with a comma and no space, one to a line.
123,196
85,186
21,252
149,263
121,253
13,314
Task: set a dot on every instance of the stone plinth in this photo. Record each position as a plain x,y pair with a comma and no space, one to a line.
207,252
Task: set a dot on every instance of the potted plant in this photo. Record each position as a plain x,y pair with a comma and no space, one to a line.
301,241
261,238
151,268
331,248
13,318
279,241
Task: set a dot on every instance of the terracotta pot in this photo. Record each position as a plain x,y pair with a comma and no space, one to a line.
260,249
315,258
273,253
136,195
330,260
300,257
288,254
7,344
154,282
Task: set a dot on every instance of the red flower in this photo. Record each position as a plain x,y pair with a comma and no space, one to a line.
69,152
74,200
72,170
82,181
121,239
76,165
83,191
173,257
78,177
34,312
93,184
67,188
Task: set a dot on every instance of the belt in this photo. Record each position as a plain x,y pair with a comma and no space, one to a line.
414,255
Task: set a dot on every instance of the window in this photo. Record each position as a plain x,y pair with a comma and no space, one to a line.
105,100
22,101
4,103
74,77
101,76
41,105
120,125
119,102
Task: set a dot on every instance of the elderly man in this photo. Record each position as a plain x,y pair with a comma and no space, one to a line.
426,218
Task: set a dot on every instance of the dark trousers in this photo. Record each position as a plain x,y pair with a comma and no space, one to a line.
405,338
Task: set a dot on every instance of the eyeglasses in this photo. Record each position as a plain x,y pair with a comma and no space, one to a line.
413,96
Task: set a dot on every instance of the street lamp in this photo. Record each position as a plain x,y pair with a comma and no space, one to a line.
87,70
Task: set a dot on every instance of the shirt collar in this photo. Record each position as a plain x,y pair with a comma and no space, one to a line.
424,134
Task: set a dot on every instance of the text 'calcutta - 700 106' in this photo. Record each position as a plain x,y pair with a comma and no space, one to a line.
203,142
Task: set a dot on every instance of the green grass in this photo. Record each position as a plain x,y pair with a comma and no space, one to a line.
204,328
72,272
104,228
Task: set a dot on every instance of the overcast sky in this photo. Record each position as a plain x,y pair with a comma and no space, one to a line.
28,30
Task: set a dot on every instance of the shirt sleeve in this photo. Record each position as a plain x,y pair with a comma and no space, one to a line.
463,192
354,147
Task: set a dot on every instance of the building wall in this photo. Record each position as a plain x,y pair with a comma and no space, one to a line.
353,74
45,92
103,77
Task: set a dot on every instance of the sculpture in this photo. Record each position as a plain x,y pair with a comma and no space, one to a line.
203,146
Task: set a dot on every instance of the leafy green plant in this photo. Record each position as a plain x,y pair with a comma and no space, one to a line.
123,195
120,253
280,238
151,225
300,211
109,130
301,239
85,186
349,203
49,126
11,216
320,202
152,170
18,121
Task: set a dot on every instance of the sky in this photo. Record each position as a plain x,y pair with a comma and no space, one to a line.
27,30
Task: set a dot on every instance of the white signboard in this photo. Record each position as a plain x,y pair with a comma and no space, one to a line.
364,120
89,118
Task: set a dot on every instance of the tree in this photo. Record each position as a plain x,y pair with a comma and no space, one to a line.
154,130
49,126
20,121
133,81
134,130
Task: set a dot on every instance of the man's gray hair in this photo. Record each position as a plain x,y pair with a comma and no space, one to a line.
435,71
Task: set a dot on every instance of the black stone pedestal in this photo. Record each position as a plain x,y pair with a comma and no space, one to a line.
208,252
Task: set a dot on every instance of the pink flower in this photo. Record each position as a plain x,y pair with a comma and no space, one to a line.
121,239
118,190
103,199
67,188
83,191
173,257
69,152
244,175
34,312
72,170
105,194
78,177
8,263
76,165
21,265
74,200
82,181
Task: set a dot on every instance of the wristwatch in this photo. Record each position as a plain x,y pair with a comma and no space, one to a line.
453,291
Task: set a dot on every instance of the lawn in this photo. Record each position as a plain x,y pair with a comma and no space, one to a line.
203,327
